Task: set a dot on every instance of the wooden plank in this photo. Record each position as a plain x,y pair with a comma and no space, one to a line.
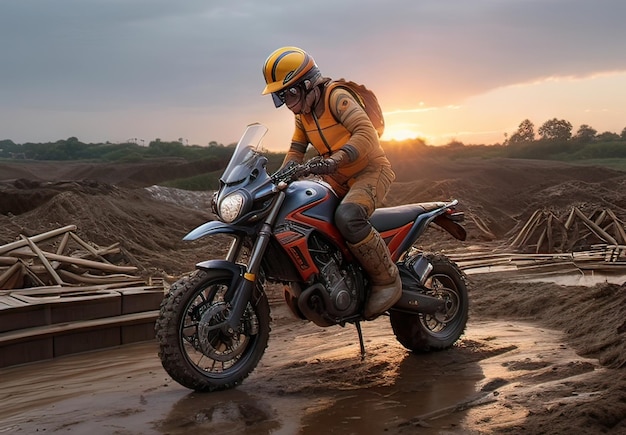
7,338
596,229
618,225
570,219
90,264
549,233
63,244
38,238
55,276
87,278
58,290
516,241
10,279
8,261
88,247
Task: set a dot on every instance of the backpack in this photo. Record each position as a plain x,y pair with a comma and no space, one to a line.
368,101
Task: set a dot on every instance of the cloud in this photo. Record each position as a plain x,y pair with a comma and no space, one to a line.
150,57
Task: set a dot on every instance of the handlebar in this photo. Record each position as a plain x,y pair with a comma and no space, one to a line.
290,172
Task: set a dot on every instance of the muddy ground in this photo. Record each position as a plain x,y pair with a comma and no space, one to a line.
537,357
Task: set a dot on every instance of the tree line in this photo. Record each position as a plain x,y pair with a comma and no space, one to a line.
552,140
74,149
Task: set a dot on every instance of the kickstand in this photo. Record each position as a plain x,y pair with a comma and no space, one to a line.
358,330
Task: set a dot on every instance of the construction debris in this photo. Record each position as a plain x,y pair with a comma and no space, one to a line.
60,295
547,244
546,233
30,262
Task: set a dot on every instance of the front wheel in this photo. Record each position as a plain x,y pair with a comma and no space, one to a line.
424,332
196,347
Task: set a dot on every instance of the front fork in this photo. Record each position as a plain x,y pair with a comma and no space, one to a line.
239,294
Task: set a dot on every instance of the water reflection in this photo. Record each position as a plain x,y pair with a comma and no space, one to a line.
423,385
228,412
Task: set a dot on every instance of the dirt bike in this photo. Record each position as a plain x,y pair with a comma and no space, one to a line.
214,324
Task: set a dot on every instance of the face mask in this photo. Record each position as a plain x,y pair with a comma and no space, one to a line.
294,99
299,100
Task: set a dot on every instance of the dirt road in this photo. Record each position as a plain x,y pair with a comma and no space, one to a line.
312,381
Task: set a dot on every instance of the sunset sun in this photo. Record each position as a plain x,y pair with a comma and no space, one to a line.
400,132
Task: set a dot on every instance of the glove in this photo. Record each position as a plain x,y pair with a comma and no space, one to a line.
321,166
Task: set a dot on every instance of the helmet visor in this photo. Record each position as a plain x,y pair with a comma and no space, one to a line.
278,98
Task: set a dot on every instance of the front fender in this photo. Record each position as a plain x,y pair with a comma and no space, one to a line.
240,288
218,227
236,269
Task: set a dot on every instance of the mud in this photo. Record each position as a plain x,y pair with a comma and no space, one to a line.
312,381
537,357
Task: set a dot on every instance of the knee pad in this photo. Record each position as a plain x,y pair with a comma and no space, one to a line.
352,221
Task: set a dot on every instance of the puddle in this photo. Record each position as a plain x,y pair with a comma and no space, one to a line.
309,384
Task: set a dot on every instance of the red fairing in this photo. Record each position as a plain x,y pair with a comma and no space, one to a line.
295,243
393,239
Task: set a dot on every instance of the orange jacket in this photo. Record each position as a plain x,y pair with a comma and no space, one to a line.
339,123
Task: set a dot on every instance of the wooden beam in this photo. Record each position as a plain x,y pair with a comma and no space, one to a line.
8,278
63,244
619,226
38,238
520,234
596,229
88,247
55,276
90,263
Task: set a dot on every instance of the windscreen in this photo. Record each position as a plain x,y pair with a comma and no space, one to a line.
245,155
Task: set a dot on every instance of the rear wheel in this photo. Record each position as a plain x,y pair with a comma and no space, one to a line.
424,332
196,347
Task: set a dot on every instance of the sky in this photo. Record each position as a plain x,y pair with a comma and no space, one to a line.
454,70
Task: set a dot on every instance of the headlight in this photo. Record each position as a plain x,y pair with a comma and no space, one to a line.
230,207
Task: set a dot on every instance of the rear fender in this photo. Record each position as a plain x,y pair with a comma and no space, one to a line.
439,214
456,230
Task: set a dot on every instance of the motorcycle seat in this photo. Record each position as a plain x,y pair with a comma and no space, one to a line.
388,218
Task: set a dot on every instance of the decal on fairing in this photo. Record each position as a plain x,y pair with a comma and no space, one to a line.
295,245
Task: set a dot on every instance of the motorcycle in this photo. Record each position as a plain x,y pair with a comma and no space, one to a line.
214,325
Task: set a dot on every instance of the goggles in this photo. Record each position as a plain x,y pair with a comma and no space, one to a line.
281,96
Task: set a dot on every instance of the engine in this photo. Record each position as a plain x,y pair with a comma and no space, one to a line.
338,290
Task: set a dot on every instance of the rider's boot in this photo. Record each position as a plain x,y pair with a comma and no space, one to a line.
374,257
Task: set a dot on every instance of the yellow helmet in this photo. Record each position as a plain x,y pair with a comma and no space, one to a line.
286,67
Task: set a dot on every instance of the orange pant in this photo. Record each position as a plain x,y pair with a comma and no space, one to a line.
367,191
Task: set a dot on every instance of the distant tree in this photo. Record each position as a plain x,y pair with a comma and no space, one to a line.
608,136
8,148
623,135
525,133
556,130
454,144
585,134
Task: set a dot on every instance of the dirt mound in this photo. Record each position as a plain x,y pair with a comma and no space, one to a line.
149,228
500,193
497,195
139,174
23,195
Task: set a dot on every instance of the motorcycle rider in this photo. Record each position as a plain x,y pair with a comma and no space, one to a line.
350,159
